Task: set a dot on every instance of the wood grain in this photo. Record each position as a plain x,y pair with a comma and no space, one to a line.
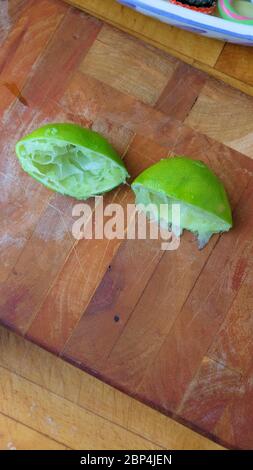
157,325
236,60
236,329
10,14
129,273
38,367
71,42
214,114
196,403
145,73
175,103
23,47
18,218
235,422
182,43
133,353
37,412
228,62
75,286
118,407
203,312
39,263
16,436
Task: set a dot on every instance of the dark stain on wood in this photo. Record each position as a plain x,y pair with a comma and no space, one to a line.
12,87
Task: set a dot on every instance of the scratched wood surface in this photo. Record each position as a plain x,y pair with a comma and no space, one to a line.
229,62
183,341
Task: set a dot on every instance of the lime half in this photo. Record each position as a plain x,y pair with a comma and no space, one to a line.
204,205
71,160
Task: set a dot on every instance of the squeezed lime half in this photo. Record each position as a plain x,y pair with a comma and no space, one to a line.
204,205
71,160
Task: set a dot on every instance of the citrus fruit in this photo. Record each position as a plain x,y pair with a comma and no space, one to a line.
71,160
204,205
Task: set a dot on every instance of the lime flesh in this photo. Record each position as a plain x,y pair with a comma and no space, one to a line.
71,160
204,206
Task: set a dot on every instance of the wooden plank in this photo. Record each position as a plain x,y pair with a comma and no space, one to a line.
10,13
146,72
16,436
221,158
116,108
79,32
235,424
237,329
113,302
75,285
19,216
38,366
55,375
24,45
120,408
201,394
236,61
38,265
143,335
172,101
224,114
62,420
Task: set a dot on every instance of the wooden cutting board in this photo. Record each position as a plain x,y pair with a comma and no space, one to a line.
173,329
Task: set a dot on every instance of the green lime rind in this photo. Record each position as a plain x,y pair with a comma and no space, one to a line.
71,160
190,181
204,205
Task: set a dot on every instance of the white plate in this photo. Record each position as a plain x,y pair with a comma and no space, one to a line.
195,22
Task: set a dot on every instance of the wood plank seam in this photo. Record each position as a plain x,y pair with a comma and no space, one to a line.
219,55
99,397
38,60
48,48
62,353
211,70
59,271
192,106
210,254
155,357
134,307
89,411
22,250
33,429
